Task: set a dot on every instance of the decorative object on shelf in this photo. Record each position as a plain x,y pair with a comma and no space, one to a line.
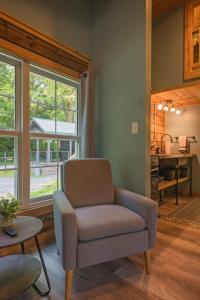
185,148
8,207
192,32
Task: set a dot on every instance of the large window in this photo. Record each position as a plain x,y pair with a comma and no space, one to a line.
53,109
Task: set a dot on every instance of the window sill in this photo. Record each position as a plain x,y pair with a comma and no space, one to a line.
38,209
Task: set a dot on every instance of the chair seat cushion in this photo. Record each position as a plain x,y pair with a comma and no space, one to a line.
101,221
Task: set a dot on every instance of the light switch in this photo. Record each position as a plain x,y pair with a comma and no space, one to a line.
134,127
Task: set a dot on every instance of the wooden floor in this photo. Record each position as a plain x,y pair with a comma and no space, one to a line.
175,270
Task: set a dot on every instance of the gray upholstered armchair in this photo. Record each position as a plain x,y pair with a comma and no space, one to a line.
95,222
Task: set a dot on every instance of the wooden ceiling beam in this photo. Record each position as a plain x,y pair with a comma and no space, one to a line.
160,7
184,96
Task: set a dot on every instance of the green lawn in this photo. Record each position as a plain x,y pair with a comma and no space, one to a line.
9,162
8,173
47,189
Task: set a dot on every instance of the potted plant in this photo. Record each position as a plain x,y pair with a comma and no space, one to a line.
8,207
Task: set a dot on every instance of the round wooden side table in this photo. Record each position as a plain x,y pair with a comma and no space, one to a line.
17,274
20,272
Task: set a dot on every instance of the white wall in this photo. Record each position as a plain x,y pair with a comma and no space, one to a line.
188,123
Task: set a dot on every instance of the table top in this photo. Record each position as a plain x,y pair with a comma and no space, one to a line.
17,273
26,227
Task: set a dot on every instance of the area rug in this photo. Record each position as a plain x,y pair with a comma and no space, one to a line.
190,213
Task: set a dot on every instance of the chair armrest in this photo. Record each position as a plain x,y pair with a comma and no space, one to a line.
65,224
145,207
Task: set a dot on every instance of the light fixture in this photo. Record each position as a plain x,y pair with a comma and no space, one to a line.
173,109
166,107
178,111
160,106
169,106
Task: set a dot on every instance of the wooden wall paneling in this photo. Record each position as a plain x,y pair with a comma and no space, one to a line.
157,125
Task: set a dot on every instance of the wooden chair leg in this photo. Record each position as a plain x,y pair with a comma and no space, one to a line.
147,258
68,284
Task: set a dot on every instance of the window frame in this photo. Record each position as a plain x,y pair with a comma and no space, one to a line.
16,132
22,132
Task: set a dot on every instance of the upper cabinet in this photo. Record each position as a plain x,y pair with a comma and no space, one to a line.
192,39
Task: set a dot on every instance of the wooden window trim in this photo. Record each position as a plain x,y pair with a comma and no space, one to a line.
37,210
22,40
190,71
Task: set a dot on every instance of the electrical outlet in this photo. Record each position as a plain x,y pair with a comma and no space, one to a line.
134,127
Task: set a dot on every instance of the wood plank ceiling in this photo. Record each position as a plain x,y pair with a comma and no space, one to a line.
160,7
184,96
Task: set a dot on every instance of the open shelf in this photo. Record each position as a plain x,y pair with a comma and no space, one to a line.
165,184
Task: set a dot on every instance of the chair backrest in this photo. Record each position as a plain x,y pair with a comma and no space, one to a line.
88,182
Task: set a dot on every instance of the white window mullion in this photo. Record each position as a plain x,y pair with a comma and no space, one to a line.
25,138
18,156
13,131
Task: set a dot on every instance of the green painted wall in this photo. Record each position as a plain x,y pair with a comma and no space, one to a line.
167,50
117,37
66,21
118,51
